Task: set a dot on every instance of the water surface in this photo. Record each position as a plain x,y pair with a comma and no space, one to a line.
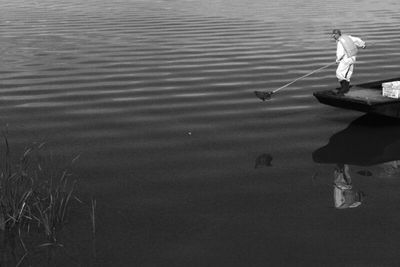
157,98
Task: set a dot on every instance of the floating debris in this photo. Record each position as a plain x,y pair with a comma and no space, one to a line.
263,160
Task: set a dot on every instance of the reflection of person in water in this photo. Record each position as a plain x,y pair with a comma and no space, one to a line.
343,193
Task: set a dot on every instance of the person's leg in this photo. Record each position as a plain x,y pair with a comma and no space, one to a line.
344,72
341,70
345,87
348,75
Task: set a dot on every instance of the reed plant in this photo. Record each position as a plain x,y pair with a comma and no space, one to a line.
33,193
51,205
16,191
36,196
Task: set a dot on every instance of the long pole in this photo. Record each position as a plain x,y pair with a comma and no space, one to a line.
267,94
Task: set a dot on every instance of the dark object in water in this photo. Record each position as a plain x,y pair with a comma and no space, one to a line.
368,140
365,173
263,95
365,97
263,160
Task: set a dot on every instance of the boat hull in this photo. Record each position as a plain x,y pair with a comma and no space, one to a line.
366,98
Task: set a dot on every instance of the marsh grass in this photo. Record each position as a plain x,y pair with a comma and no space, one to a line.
35,196
93,205
51,206
16,189
93,215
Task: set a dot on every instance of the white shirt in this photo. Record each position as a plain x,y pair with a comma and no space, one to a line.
341,53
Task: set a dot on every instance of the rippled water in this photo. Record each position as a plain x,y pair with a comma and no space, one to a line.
157,98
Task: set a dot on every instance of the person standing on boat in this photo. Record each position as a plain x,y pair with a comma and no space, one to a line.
346,52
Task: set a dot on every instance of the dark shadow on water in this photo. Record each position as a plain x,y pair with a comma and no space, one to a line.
370,140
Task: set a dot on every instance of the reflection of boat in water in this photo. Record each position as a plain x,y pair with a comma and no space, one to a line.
368,140
365,97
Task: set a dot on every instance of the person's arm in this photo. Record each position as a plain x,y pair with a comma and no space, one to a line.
358,42
340,52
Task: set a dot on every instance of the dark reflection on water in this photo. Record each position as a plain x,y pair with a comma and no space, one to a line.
370,141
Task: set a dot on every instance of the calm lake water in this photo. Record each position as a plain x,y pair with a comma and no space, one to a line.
189,168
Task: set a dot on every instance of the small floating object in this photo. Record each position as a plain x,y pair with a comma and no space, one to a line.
263,160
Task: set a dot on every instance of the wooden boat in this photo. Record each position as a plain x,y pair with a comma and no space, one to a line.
365,97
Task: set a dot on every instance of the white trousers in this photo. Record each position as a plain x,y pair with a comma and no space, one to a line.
345,68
